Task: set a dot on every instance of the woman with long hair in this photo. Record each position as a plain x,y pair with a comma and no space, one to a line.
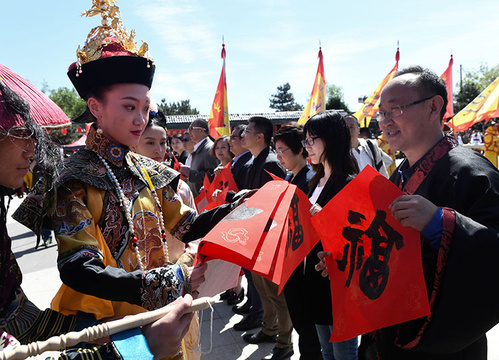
327,141
179,151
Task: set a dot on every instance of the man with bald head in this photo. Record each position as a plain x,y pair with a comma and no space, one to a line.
451,195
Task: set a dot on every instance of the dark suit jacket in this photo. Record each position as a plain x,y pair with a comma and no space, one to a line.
257,176
202,164
240,169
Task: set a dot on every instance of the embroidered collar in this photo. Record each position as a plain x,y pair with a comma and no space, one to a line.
412,177
101,145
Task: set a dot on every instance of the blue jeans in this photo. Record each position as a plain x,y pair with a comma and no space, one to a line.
344,350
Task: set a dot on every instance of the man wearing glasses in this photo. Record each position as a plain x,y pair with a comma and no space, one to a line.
202,163
451,195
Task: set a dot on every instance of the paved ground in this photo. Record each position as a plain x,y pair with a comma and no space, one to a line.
41,281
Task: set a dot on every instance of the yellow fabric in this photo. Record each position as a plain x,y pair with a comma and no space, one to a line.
491,144
28,180
84,203
383,145
485,106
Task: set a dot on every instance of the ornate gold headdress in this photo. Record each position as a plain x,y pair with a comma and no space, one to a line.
111,27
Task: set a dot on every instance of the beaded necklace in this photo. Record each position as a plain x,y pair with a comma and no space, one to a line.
125,205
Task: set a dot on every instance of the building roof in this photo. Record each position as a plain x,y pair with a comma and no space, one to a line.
277,118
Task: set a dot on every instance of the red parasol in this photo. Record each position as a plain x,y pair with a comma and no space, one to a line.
43,110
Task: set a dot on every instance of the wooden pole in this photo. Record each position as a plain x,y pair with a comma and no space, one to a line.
57,343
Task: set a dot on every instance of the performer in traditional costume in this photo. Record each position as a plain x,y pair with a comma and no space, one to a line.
114,207
22,140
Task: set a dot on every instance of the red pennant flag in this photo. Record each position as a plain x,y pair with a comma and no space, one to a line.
447,78
203,199
375,265
317,102
371,104
219,116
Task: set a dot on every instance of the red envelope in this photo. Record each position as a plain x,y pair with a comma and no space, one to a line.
299,238
375,269
237,237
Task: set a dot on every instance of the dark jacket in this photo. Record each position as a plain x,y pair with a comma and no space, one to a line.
320,297
257,174
240,169
202,164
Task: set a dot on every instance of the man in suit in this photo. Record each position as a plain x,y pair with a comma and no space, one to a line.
242,156
202,162
277,326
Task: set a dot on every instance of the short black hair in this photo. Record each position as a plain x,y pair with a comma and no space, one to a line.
427,83
264,126
291,135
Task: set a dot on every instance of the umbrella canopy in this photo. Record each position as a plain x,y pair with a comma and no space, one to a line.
43,110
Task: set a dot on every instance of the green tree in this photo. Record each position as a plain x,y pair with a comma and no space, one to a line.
335,99
73,106
69,101
177,108
284,100
474,82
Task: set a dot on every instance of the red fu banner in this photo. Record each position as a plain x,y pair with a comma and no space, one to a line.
375,269
267,234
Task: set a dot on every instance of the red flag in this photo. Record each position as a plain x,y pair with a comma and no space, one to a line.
204,199
376,264
371,104
219,116
317,102
447,78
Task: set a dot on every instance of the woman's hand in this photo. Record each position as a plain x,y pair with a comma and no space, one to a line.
321,265
314,209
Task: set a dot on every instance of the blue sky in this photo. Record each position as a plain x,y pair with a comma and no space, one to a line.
268,43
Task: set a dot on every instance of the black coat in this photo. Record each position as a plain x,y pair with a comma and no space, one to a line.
466,306
257,174
320,301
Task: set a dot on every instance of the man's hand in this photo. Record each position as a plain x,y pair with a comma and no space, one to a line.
185,170
413,211
321,265
164,336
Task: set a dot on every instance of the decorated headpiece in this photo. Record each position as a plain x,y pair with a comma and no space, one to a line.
110,54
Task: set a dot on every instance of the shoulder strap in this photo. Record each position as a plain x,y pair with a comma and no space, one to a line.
377,162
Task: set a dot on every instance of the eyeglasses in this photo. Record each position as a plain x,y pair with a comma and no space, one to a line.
396,111
280,152
18,133
309,142
251,131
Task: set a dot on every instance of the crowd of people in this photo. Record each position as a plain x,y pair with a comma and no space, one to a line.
127,228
